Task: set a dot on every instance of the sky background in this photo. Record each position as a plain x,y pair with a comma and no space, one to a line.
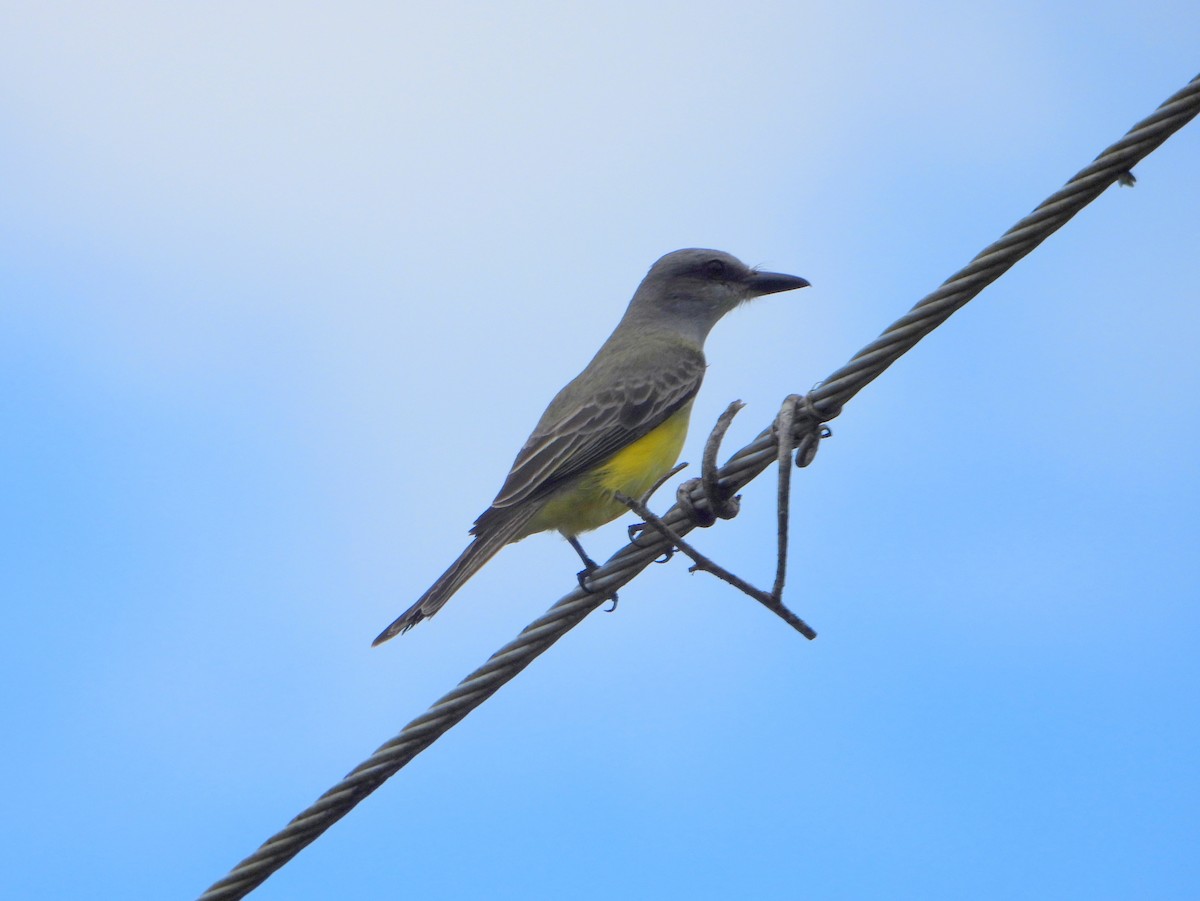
283,287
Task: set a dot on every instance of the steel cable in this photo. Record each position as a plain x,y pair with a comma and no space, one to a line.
825,402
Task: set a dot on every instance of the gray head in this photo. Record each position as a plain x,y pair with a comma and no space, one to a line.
689,290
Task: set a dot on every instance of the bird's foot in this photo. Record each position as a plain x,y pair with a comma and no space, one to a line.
585,583
636,531
582,576
589,567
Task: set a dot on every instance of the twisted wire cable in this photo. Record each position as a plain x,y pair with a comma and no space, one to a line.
824,403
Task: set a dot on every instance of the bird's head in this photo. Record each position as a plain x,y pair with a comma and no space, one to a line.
694,288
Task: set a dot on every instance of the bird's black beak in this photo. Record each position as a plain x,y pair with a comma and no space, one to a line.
761,283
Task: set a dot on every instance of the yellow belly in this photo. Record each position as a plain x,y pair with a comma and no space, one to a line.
631,471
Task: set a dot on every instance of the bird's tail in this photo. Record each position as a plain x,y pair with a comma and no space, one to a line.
499,531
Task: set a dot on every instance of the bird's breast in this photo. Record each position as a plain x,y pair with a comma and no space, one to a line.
588,503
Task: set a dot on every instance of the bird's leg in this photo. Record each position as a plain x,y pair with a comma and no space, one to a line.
589,567
588,563
635,531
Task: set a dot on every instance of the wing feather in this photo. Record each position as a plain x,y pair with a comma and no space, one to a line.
577,434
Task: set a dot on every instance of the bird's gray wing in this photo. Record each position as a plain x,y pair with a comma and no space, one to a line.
578,433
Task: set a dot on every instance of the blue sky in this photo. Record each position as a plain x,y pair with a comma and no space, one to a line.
283,288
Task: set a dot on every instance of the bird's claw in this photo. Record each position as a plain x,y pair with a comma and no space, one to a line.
584,582
582,576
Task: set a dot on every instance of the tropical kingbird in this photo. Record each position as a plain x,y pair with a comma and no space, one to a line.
619,425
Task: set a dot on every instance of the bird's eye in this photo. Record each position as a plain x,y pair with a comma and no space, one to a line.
716,268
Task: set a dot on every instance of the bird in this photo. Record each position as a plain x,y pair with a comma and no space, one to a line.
618,426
